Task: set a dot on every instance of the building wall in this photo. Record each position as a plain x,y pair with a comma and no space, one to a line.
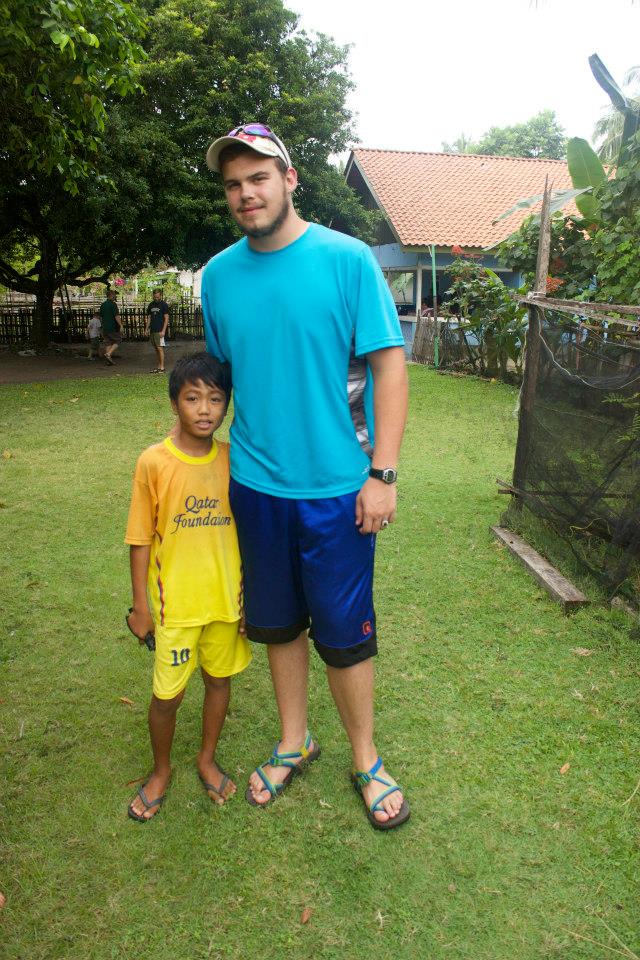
394,260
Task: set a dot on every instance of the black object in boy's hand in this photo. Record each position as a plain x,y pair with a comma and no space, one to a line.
149,640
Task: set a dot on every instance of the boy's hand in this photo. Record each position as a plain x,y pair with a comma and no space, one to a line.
242,628
140,622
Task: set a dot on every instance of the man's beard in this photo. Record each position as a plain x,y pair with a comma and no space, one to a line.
270,228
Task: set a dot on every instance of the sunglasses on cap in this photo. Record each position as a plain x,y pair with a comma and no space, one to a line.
260,130
255,130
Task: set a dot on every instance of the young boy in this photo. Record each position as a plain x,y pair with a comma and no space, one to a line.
185,574
94,329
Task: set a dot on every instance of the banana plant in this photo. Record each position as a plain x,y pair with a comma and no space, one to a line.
585,168
627,106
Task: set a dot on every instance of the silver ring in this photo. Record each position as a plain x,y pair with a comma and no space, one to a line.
385,523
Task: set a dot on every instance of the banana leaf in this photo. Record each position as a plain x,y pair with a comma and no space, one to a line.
586,171
585,168
559,199
626,106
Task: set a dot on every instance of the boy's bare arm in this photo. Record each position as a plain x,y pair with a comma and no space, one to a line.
140,619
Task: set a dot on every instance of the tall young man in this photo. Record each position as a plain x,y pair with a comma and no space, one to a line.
309,489
156,326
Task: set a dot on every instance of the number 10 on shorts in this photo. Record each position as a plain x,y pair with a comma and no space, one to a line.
180,656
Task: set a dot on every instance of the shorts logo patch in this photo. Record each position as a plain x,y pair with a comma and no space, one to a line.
367,628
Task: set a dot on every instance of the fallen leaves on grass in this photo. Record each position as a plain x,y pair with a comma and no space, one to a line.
3,900
323,803
564,768
7,455
73,399
131,783
305,916
126,701
380,918
452,888
582,651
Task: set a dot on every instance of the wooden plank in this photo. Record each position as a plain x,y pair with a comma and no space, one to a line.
578,306
574,308
557,586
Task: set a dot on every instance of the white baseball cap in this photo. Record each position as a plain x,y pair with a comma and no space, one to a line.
257,136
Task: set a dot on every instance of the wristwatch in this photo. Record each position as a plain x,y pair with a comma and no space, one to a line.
387,475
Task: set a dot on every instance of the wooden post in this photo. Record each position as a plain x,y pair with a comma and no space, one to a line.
434,294
532,352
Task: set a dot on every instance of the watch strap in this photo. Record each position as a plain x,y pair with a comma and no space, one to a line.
387,474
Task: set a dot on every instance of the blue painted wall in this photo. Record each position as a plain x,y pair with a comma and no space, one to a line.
390,256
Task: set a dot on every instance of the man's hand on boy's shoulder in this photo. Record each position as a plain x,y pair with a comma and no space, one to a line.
140,623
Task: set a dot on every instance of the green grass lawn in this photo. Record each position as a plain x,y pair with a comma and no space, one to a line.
518,752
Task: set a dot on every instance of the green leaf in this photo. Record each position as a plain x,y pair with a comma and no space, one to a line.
585,167
608,84
559,199
588,207
520,205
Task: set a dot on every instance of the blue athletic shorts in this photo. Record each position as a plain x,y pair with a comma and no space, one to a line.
304,561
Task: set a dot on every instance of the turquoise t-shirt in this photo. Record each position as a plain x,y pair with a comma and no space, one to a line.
295,324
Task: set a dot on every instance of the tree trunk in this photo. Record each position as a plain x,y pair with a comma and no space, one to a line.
491,355
47,283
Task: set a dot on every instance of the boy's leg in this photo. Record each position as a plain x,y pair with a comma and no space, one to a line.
223,652
289,665
217,692
162,725
174,661
352,691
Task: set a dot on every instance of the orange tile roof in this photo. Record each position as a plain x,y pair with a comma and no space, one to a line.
447,199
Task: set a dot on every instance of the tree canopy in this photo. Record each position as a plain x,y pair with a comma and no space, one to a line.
541,136
59,62
207,66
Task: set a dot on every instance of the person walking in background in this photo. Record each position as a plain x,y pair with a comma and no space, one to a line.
111,326
156,328
309,487
94,328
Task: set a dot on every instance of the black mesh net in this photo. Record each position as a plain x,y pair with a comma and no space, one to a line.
583,473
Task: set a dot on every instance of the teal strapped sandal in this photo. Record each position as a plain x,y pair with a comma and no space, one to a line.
360,778
297,762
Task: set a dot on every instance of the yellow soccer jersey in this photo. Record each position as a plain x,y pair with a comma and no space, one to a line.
180,505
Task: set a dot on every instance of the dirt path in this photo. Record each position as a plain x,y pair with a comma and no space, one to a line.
66,362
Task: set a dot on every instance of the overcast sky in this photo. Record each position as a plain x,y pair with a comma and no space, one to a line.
428,70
